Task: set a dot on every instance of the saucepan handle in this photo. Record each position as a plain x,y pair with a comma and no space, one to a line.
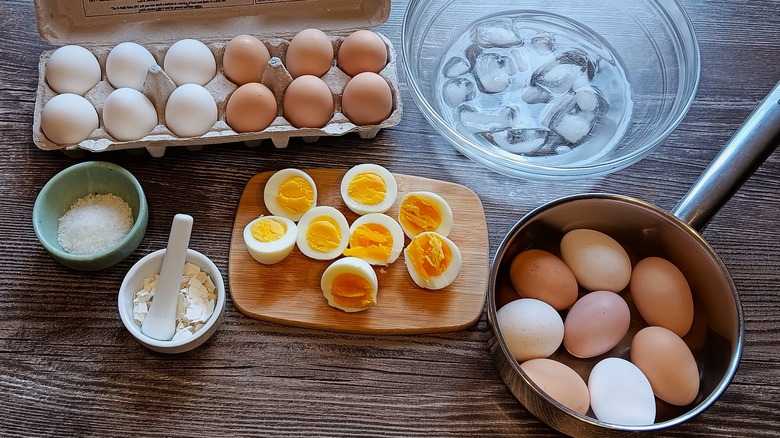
744,153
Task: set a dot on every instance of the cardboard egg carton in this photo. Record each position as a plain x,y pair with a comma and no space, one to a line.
159,86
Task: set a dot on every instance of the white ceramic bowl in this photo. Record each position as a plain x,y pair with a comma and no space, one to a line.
148,266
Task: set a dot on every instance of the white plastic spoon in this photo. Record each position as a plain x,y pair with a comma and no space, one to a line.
160,321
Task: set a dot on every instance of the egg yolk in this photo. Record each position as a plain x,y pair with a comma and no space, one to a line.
351,290
370,241
417,214
429,255
367,188
268,230
295,195
323,234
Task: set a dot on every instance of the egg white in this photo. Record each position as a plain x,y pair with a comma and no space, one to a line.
272,189
349,265
445,223
269,253
306,222
445,278
361,208
388,223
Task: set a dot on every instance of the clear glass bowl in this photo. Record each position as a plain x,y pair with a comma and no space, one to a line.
651,42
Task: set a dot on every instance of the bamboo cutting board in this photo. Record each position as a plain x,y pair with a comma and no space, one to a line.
289,291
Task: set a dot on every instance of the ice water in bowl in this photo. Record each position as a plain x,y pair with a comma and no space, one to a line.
535,87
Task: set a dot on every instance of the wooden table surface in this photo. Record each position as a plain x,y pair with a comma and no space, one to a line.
68,367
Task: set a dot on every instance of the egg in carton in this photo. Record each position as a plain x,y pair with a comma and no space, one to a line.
159,86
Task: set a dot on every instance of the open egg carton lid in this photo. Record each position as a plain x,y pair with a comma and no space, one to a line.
156,24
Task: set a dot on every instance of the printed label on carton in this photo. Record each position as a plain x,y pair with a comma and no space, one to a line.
97,8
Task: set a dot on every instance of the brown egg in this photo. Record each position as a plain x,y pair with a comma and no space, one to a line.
662,294
308,102
560,382
252,107
362,51
367,99
595,324
310,53
245,59
668,364
541,275
597,260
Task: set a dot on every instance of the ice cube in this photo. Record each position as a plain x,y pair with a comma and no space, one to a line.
493,72
543,43
556,107
562,149
457,91
518,141
496,33
572,127
587,98
533,95
520,58
559,74
472,52
476,121
456,66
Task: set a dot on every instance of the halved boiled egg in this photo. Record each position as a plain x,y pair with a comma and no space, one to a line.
369,188
376,238
424,211
290,193
323,233
350,284
269,239
433,260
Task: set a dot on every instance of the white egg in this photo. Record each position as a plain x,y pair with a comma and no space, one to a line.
270,239
369,188
620,393
290,193
127,65
531,328
190,61
376,238
191,111
72,69
323,233
433,260
350,284
424,211
128,114
68,119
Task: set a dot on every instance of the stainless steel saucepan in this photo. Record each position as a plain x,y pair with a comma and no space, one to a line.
646,230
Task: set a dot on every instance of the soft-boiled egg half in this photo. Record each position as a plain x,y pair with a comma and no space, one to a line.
424,211
376,238
433,260
290,193
323,233
369,188
350,284
269,239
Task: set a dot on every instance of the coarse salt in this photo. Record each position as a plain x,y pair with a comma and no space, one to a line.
197,299
94,223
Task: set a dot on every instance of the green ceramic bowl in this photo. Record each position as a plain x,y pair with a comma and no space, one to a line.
77,181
